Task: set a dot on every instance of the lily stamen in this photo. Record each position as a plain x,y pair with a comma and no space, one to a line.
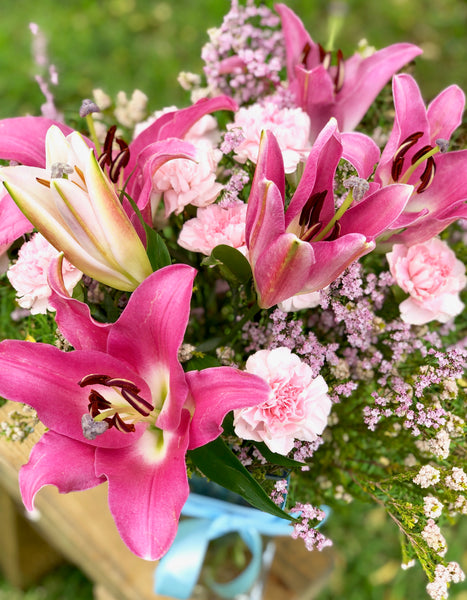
424,154
102,409
117,164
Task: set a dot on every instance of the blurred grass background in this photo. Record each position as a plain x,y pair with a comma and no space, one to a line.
127,44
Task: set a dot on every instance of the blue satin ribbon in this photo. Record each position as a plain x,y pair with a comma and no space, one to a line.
178,571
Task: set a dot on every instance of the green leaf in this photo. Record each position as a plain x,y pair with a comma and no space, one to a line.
156,249
217,462
234,261
198,363
277,459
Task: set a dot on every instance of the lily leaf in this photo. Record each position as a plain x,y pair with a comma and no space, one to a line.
277,459
234,261
156,249
217,462
198,363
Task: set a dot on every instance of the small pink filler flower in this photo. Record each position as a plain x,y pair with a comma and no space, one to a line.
297,408
433,276
29,274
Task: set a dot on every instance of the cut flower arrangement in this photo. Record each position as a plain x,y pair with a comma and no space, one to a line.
263,289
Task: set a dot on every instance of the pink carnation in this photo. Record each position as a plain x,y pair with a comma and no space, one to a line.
298,406
432,275
29,274
215,225
182,181
291,127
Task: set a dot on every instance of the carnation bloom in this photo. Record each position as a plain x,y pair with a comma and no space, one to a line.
433,277
214,225
183,181
291,127
29,274
298,405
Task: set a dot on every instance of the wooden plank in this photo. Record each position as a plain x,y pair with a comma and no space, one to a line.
25,556
79,525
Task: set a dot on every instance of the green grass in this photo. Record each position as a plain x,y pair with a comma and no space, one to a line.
128,44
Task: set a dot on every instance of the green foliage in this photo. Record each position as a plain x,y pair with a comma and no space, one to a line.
217,462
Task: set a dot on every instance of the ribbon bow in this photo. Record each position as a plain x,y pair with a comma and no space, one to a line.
178,571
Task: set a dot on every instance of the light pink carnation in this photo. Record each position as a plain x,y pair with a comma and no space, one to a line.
298,406
215,225
432,275
291,127
182,181
29,274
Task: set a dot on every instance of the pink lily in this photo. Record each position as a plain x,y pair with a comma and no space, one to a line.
120,407
22,139
414,154
306,247
344,91
76,208
144,149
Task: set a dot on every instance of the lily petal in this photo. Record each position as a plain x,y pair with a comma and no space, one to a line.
361,151
60,461
365,78
148,487
23,139
376,213
175,125
269,167
332,258
160,306
47,379
74,317
282,270
445,112
215,392
318,174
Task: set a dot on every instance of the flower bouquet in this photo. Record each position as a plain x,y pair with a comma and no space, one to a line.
247,290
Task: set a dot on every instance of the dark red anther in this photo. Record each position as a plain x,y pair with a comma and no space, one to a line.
335,232
93,379
305,53
117,422
420,153
427,175
396,169
138,403
312,209
311,232
339,77
398,161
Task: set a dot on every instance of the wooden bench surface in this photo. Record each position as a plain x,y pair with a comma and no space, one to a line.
93,544
90,542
